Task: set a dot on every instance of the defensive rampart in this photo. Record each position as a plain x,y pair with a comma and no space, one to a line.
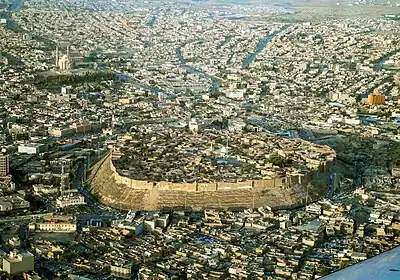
120,191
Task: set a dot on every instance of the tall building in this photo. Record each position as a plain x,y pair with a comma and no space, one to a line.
18,262
4,165
376,98
57,52
83,127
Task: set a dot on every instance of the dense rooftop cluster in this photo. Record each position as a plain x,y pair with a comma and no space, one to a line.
197,91
211,155
306,243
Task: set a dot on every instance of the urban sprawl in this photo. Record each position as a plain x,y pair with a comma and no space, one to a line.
115,113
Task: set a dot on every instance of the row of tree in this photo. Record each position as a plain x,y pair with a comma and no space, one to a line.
60,80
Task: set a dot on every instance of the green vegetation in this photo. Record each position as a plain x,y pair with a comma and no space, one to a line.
11,59
381,114
386,56
125,162
264,88
60,80
21,136
325,271
289,19
280,161
15,28
393,16
394,154
367,46
323,93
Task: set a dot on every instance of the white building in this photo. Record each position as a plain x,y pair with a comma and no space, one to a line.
162,221
31,148
64,62
314,209
193,126
66,201
121,269
235,94
149,225
60,132
236,125
53,226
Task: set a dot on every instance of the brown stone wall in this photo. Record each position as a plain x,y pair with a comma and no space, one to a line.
234,186
264,184
142,185
279,182
206,187
164,186
120,191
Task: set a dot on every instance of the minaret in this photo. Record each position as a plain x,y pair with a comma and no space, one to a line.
57,56
62,181
227,145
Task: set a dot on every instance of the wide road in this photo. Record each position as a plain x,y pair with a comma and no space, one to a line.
331,190
215,81
15,5
261,46
379,65
92,202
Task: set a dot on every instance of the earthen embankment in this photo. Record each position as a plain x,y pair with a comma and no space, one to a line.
119,191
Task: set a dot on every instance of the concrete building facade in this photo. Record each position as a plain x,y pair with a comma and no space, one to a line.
17,263
4,165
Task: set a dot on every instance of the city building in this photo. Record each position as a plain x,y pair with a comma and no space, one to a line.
52,226
376,98
193,126
32,148
396,171
60,132
64,62
121,270
13,202
18,263
65,201
4,165
260,93
81,127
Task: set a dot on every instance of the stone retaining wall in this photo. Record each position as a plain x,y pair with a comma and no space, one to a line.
120,191
214,186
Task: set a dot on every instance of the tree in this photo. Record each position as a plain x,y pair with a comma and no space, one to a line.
280,161
21,136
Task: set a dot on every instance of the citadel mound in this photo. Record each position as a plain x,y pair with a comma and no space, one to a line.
185,171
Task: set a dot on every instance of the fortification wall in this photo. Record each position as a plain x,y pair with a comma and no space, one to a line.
214,186
165,186
235,185
265,184
134,194
206,187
